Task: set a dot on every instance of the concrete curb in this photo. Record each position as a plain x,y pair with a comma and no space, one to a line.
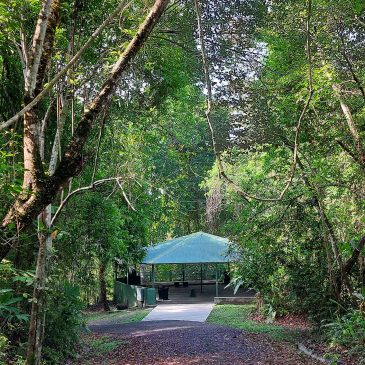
311,354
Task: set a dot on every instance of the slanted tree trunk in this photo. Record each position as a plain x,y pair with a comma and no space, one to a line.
362,269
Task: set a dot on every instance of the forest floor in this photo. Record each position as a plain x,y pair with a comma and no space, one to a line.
231,336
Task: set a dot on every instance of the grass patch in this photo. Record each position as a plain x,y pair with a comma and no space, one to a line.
96,347
237,316
104,344
116,317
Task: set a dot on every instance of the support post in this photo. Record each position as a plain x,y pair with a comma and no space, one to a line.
216,280
201,278
153,276
183,272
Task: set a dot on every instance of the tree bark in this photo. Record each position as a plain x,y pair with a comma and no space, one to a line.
36,324
362,269
37,48
351,125
48,43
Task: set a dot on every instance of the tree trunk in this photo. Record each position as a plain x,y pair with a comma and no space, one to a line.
37,318
330,238
362,270
102,286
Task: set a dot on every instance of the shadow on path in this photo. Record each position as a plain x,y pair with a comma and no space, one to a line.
188,342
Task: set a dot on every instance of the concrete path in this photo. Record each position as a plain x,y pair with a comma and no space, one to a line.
180,312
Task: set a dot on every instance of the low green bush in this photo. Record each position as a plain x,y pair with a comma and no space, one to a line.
16,287
64,321
348,331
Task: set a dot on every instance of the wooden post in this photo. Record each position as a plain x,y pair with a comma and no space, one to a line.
183,272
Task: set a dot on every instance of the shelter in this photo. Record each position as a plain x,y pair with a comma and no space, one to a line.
196,248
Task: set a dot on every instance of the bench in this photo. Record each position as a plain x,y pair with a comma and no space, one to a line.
185,284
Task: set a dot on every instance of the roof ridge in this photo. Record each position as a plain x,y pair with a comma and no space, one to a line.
174,248
186,245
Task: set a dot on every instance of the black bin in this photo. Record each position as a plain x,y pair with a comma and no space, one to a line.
163,293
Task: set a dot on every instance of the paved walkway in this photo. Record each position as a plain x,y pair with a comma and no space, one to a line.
198,312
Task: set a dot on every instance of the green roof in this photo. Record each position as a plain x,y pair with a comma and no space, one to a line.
195,248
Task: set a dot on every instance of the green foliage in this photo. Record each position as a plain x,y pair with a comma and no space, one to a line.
63,321
11,301
285,246
91,239
8,310
10,171
348,331
156,140
4,345
16,290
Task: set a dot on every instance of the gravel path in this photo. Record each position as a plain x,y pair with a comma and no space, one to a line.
184,342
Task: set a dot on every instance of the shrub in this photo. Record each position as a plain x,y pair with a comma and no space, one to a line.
348,331
16,286
63,323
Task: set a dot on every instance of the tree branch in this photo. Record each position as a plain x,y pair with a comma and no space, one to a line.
121,8
355,255
37,47
78,191
247,196
351,125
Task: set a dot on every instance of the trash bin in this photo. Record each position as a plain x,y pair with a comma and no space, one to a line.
140,295
163,293
149,296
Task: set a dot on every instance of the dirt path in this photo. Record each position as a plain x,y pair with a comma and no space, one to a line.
183,342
